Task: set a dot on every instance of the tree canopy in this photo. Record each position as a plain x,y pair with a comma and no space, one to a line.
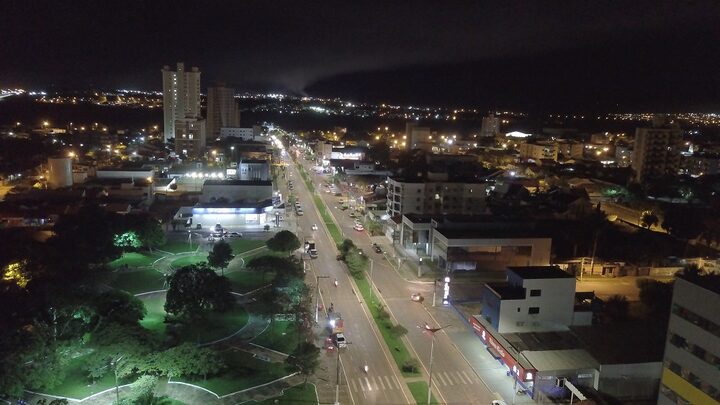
305,357
220,256
195,289
283,241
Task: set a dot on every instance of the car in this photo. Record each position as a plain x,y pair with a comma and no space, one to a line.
498,402
377,248
340,341
313,253
359,227
236,234
314,227
352,214
300,213
417,297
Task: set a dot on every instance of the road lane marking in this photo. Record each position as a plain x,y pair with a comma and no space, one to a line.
448,377
441,379
368,384
381,383
354,386
396,381
461,378
388,383
469,379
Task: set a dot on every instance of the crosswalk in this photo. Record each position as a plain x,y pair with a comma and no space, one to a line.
371,383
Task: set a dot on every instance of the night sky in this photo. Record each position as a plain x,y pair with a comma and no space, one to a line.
575,55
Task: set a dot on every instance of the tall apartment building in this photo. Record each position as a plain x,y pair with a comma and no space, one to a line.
539,150
222,110
181,97
691,367
190,137
426,196
490,125
657,150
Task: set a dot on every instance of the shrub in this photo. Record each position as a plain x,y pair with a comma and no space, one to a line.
411,366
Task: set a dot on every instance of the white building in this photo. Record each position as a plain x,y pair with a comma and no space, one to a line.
181,97
691,368
534,299
253,170
232,191
125,173
246,134
222,110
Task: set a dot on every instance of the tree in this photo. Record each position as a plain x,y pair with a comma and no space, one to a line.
656,296
268,302
220,256
356,263
284,242
306,358
187,360
120,306
127,240
284,267
142,391
266,227
616,308
195,289
648,219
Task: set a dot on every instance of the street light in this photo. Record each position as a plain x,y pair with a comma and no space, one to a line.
432,331
114,365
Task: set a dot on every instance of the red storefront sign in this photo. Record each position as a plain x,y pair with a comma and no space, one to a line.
491,342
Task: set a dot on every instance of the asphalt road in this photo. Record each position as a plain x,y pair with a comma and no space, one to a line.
383,384
454,381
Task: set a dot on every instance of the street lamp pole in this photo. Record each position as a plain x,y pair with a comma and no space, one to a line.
432,331
117,387
317,296
372,283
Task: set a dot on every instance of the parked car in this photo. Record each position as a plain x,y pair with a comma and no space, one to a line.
377,248
417,297
236,234
359,227
314,227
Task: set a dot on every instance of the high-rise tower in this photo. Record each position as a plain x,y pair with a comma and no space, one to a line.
222,110
181,97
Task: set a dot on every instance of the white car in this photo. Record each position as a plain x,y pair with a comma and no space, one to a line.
359,227
340,340
498,402
314,227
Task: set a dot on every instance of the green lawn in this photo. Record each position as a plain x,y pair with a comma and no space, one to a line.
243,371
188,260
240,246
139,281
76,383
133,259
281,336
213,326
302,394
244,281
327,218
178,246
419,392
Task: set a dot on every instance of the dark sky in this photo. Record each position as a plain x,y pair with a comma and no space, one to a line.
574,55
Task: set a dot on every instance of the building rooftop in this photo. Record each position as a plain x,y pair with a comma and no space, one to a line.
550,360
507,291
710,282
638,341
237,183
540,272
491,233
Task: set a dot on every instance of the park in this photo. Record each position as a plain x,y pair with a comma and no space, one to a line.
161,321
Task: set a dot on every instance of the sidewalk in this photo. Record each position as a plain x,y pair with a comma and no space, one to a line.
474,351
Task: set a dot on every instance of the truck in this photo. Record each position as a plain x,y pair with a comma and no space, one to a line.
310,248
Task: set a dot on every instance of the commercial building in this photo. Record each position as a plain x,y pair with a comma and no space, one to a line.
181,97
442,196
222,110
534,299
657,150
691,367
253,170
126,173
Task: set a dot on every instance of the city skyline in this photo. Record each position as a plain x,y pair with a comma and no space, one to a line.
509,56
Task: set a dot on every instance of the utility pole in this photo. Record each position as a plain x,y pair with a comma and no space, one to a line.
317,296
337,375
